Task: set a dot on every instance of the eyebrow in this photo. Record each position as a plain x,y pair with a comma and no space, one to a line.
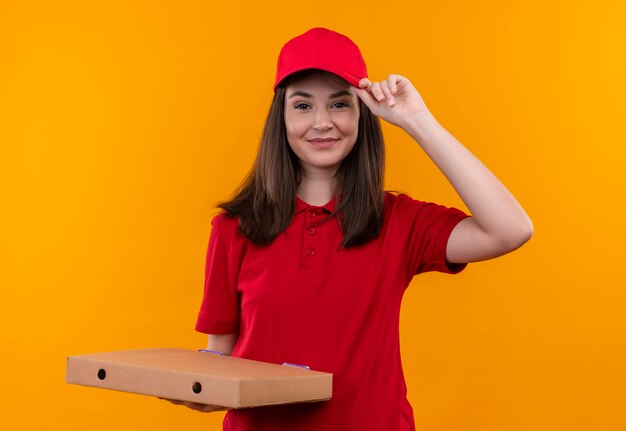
332,96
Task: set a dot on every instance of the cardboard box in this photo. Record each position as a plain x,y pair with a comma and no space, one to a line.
201,377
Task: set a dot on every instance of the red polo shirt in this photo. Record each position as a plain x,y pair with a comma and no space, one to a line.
303,300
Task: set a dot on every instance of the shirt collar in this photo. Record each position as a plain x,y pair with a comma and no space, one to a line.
302,206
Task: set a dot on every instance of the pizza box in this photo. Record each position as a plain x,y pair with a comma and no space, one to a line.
204,376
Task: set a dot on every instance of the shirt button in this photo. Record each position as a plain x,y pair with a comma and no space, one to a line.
312,230
312,213
310,252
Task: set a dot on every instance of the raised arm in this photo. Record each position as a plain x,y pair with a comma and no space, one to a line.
498,224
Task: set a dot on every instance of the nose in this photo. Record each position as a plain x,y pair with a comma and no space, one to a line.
322,120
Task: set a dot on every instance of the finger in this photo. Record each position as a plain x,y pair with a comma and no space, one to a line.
377,92
366,97
177,402
393,79
364,83
218,408
205,407
385,88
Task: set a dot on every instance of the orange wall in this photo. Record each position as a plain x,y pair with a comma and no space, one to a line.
122,123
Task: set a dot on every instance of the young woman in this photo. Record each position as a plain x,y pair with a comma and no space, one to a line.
308,262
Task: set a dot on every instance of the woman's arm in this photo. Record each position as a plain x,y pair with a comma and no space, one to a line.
224,343
498,224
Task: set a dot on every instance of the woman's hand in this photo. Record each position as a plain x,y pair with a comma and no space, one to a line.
206,408
395,99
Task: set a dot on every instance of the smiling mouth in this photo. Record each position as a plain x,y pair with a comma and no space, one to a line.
323,143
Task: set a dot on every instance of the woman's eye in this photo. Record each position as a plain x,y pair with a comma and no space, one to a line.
302,106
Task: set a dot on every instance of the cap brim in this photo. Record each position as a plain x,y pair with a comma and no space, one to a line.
352,79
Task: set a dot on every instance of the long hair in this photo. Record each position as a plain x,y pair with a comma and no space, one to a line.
265,200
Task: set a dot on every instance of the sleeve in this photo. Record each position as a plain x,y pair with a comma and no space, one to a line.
430,226
219,311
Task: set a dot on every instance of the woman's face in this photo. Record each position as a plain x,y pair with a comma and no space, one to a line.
317,110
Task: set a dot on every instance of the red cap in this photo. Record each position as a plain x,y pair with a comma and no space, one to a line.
320,48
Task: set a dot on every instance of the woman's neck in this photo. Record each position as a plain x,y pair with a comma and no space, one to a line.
316,190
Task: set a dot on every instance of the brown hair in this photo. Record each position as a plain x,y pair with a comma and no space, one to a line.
265,200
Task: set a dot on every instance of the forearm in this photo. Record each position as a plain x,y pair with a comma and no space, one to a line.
492,206
224,343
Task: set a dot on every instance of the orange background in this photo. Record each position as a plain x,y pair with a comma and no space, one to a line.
123,123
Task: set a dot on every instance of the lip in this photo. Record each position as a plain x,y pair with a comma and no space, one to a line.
322,139
323,143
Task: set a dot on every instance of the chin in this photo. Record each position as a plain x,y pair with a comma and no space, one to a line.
324,164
